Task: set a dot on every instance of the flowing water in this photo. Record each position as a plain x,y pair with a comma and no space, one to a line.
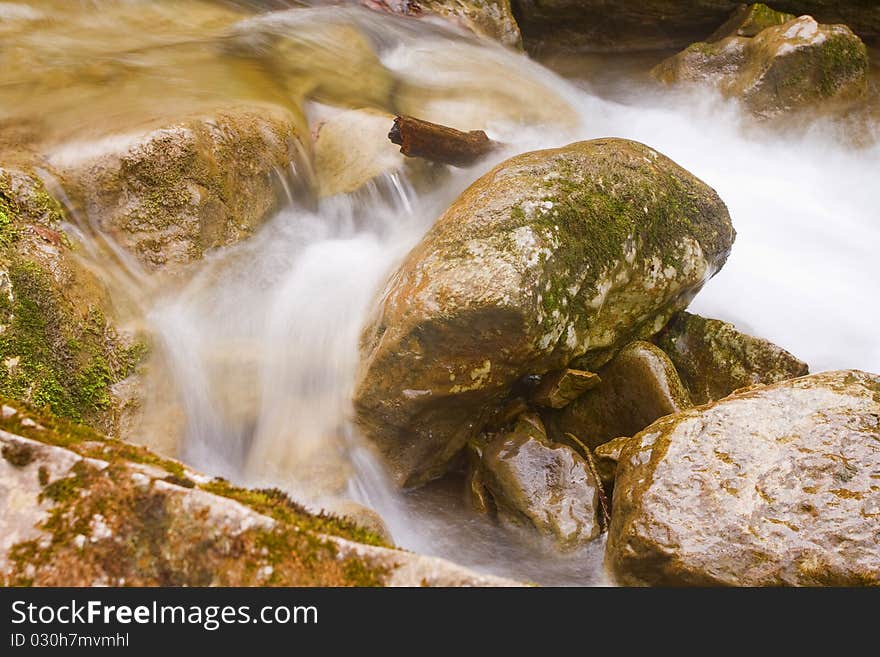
261,340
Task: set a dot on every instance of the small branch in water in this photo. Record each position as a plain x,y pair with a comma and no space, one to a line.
439,143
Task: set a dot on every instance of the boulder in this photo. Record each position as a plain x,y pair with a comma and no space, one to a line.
77,509
59,343
774,485
714,359
169,194
546,487
638,386
554,255
793,66
640,25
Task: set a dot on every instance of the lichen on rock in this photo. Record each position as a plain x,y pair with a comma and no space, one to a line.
794,66
553,256
714,358
773,485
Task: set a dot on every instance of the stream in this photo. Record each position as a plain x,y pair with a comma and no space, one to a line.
260,344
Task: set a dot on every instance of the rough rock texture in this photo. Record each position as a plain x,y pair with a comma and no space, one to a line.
537,484
58,344
634,25
749,20
714,359
638,386
774,485
551,256
489,18
79,510
174,192
793,66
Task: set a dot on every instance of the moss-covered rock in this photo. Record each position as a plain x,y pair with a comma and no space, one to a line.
714,359
176,191
639,25
638,386
58,345
82,510
797,65
748,20
548,488
774,485
554,255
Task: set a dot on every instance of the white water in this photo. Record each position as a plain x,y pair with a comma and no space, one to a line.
262,343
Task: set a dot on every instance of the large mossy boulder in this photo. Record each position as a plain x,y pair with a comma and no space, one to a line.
794,66
774,485
169,194
77,509
639,385
749,20
714,359
531,482
59,346
639,25
554,255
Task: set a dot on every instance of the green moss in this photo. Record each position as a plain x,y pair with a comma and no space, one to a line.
52,357
63,490
18,454
843,58
277,504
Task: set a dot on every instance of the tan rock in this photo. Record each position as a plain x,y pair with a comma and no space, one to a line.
638,386
774,485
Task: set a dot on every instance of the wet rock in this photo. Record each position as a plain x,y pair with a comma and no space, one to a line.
170,194
789,67
352,152
59,343
606,457
749,20
558,389
546,487
553,255
489,18
84,511
640,25
773,485
638,386
714,359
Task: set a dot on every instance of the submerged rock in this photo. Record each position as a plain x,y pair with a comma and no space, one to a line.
79,510
551,256
170,194
714,359
641,25
788,67
638,386
774,485
537,484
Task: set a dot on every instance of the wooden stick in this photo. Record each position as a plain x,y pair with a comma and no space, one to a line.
439,143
